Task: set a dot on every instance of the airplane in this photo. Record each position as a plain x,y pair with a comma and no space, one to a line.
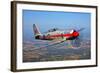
57,36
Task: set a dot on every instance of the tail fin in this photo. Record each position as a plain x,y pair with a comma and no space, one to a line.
36,31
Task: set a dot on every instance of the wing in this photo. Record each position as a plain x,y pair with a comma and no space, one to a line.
69,44
53,43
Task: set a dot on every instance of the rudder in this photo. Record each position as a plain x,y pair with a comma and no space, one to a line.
36,31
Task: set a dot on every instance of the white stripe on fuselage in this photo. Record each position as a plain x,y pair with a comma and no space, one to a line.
55,32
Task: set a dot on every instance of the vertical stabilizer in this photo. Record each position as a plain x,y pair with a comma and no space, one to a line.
36,31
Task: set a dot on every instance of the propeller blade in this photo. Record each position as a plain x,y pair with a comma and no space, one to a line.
81,29
76,42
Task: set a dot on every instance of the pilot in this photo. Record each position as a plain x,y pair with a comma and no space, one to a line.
54,29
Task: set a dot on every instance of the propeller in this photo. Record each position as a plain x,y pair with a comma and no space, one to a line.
81,29
76,43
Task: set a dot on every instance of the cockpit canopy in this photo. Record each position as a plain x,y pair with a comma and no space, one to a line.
54,29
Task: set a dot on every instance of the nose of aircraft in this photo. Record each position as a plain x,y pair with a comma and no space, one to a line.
75,34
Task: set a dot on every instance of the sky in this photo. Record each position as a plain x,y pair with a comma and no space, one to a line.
46,20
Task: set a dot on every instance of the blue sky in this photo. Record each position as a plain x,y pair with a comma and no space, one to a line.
52,19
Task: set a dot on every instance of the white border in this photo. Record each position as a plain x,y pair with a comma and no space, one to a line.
21,65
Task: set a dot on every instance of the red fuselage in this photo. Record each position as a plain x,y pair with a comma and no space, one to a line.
68,36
